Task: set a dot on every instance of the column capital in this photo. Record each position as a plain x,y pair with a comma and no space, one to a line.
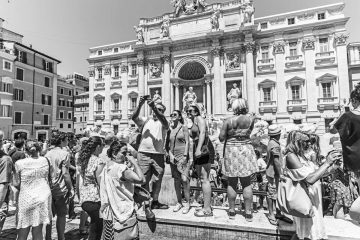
279,47
166,58
216,51
250,46
208,81
341,39
140,61
309,43
176,85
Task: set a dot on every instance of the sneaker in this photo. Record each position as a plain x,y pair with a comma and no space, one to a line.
186,209
248,217
177,207
231,214
157,205
149,214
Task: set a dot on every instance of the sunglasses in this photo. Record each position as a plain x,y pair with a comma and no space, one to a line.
174,115
160,110
190,111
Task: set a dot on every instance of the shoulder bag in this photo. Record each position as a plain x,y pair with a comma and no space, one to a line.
293,198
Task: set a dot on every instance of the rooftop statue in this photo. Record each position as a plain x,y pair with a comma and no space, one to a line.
139,34
214,20
195,6
179,6
248,10
165,28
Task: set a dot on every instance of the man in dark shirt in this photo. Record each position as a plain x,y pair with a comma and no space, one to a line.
18,153
6,170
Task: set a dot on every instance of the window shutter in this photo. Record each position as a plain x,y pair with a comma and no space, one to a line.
44,64
51,67
24,57
49,100
42,99
16,54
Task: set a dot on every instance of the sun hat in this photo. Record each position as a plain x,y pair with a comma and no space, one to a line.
274,130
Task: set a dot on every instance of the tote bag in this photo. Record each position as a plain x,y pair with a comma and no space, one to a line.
293,198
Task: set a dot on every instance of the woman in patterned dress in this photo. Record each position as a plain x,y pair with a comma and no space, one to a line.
239,156
32,177
90,168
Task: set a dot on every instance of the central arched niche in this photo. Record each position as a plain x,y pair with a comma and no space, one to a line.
192,70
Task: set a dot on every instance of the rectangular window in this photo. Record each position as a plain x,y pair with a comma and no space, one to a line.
291,21
70,93
133,69
7,65
265,52
100,53
61,115
69,125
116,71
116,50
48,66
6,87
324,44
22,57
100,76
133,103
49,100
116,104
80,119
295,92
321,16
46,119
61,125
85,118
69,115
19,74
267,94
293,48
17,117
47,82
18,94
43,99
5,111
61,91
99,105
264,25
326,89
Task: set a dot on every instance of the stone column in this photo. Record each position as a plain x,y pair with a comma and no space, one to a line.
312,89
343,77
177,96
141,78
250,79
125,96
91,96
107,101
166,86
281,101
217,77
208,96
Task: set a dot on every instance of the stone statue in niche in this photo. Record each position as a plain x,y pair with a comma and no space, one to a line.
139,34
155,71
157,97
180,6
248,11
165,28
234,93
189,98
214,20
233,61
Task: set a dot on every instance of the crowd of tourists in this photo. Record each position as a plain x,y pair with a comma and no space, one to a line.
112,176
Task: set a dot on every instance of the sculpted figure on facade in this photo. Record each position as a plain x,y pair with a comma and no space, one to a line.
107,70
309,44
179,6
214,20
157,97
139,34
234,93
91,73
341,39
189,98
233,61
248,11
165,26
155,71
279,47
195,6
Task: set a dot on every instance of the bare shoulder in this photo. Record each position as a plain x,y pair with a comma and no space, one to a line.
292,161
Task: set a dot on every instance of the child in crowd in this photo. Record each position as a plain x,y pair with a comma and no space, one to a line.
262,180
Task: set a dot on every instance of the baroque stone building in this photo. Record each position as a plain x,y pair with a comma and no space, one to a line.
291,67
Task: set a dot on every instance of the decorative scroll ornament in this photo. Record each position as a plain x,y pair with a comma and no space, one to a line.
216,51
341,39
250,47
214,20
166,58
309,44
107,70
124,68
279,47
140,61
232,61
155,70
91,73
165,33
139,34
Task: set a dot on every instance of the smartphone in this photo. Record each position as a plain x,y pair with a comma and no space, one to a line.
147,97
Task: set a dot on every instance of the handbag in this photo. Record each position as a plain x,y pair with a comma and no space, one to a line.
128,230
293,198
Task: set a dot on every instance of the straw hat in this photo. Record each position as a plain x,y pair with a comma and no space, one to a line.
274,130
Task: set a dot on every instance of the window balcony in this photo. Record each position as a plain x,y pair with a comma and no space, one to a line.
116,114
325,58
354,62
99,86
266,64
100,79
328,103
116,84
133,83
296,105
99,115
268,107
294,61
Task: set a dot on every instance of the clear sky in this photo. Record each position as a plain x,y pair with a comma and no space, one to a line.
66,29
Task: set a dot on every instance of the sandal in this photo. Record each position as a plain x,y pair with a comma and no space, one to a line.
272,221
231,214
284,218
202,213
